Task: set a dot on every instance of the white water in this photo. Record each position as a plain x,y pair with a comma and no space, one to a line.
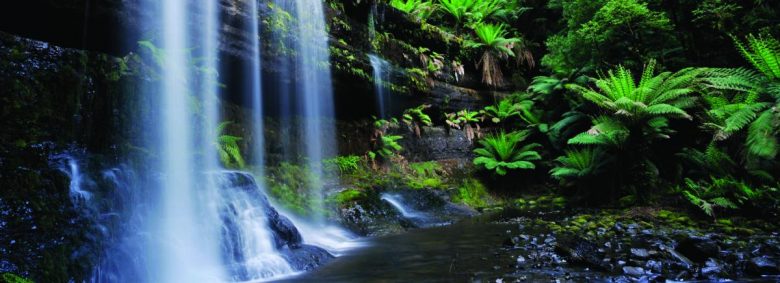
194,223
333,239
70,166
187,247
248,241
397,203
381,77
315,87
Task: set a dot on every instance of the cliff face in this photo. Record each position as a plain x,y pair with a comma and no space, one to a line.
76,83
417,52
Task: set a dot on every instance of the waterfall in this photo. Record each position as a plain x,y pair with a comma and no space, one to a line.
248,243
187,247
397,203
70,166
184,218
310,98
314,88
381,77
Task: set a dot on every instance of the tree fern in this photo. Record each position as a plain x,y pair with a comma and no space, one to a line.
753,108
720,194
502,152
501,111
578,163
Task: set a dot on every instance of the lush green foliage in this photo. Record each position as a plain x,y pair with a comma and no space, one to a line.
467,121
415,118
423,175
291,186
473,193
228,148
493,39
754,98
343,164
721,194
601,30
13,278
502,111
579,164
504,151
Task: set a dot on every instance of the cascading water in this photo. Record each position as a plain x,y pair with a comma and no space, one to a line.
187,249
314,88
381,77
397,203
70,166
197,222
248,243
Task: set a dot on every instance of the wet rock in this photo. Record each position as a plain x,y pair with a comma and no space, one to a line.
633,271
581,251
306,257
655,266
285,232
640,253
763,265
711,268
698,249
520,259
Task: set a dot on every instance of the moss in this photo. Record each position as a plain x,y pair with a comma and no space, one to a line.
13,278
346,196
291,186
423,175
472,193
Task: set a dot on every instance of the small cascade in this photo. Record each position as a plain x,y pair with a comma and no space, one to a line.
381,78
397,202
123,220
69,165
249,245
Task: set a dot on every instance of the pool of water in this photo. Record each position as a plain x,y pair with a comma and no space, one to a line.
469,251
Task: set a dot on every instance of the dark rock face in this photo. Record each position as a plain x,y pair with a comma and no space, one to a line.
698,249
763,265
582,251
306,257
371,217
437,143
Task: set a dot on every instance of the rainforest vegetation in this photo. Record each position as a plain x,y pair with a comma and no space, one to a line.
390,140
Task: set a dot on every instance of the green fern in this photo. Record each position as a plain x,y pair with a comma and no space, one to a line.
578,163
389,146
753,108
606,131
415,118
502,111
497,45
501,152
228,149
720,194
418,8
664,95
458,9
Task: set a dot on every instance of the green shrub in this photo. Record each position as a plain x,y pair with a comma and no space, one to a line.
472,193
344,164
292,186
13,278
423,175
501,152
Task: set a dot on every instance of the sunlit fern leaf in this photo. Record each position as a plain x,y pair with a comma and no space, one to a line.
762,135
501,152
763,53
605,131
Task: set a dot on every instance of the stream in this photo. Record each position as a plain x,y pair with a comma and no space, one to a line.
468,251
